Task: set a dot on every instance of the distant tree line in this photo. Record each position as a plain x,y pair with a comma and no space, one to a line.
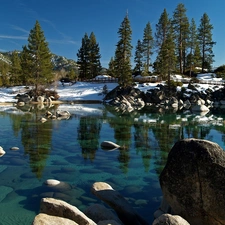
179,45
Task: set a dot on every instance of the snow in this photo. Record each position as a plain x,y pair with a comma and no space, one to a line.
94,90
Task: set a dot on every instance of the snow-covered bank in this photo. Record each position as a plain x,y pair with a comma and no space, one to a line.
94,91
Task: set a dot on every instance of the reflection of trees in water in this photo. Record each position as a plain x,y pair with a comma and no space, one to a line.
88,136
195,130
142,143
165,137
122,133
35,137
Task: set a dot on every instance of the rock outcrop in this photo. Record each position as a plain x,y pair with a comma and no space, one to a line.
166,219
54,207
45,219
193,181
131,98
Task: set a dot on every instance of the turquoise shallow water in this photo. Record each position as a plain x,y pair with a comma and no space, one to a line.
69,151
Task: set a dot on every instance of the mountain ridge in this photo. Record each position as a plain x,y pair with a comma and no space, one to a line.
59,62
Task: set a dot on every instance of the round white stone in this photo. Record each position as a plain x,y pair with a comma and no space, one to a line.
52,182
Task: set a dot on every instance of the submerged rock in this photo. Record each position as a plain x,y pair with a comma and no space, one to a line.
14,148
98,212
114,199
2,152
57,185
109,145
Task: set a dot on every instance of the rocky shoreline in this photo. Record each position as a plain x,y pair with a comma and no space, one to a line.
131,98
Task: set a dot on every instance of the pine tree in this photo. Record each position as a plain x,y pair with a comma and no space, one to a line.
197,56
94,56
205,41
4,70
111,70
162,28
192,60
166,59
123,54
83,57
26,64
181,28
138,58
72,75
88,57
41,65
16,69
147,45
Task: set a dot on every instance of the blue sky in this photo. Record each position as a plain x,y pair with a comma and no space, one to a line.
65,22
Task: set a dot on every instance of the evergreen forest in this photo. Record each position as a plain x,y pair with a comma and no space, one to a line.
178,44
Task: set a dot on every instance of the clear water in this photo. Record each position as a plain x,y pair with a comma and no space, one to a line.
70,151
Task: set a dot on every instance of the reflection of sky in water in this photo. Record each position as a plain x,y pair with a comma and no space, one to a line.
69,151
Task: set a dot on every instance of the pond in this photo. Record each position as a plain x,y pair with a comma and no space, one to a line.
70,150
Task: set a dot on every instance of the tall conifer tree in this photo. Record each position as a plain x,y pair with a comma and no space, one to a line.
111,71
205,41
181,29
162,28
123,54
147,45
26,64
16,69
192,58
41,65
83,57
166,58
94,56
138,58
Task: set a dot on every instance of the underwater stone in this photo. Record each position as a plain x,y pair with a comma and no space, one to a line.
109,145
114,199
14,148
58,185
52,182
2,152
98,212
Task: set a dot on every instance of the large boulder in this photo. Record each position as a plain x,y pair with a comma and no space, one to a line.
167,219
44,219
54,207
193,181
114,199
